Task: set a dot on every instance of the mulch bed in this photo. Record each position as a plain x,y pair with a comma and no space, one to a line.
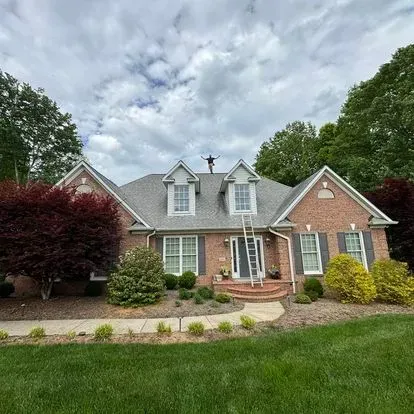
326,311
81,307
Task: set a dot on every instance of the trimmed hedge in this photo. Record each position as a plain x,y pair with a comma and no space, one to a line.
350,280
313,284
187,280
138,279
171,281
303,299
393,281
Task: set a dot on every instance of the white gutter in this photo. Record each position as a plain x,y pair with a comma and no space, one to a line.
292,272
148,237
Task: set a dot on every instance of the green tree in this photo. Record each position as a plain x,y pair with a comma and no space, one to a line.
37,141
291,155
326,142
375,132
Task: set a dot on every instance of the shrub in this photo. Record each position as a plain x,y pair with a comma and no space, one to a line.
205,292
247,322
93,289
138,279
214,304
303,298
6,289
196,328
3,334
103,332
393,281
225,327
178,303
198,300
162,327
187,280
130,333
350,280
171,281
184,294
223,298
37,332
313,284
313,296
71,335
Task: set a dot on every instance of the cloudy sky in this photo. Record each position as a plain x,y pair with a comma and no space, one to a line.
152,82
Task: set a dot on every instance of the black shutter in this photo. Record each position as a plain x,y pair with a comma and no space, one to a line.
201,255
323,247
159,246
369,248
297,250
341,242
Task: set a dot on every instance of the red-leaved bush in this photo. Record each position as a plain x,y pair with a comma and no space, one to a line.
48,232
395,197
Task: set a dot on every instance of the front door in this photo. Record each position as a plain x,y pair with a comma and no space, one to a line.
240,263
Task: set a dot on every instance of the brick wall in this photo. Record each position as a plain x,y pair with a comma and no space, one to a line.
332,216
217,254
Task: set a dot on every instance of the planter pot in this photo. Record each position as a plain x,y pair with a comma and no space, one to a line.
219,278
275,274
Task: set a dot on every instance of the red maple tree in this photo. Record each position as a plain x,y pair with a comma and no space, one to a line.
395,197
48,232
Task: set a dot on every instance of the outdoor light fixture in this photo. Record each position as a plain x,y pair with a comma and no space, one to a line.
268,241
226,242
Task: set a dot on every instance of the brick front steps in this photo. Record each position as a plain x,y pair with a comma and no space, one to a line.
270,292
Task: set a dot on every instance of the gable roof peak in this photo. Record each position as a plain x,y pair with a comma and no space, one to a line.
166,179
230,178
298,192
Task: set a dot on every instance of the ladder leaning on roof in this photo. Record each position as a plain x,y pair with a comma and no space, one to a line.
251,250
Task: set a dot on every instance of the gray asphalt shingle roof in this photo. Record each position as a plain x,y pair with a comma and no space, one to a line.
292,195
149,195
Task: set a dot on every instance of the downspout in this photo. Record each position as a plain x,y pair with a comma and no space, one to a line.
148,238
292,272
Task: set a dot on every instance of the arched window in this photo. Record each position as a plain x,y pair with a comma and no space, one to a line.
83,188
325,193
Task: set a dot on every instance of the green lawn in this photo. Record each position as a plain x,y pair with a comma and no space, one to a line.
364,366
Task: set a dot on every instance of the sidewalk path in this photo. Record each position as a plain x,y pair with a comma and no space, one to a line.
260,312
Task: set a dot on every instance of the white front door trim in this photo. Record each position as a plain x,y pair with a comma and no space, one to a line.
235,253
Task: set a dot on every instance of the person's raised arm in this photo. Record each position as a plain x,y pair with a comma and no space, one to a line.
204,158
218,156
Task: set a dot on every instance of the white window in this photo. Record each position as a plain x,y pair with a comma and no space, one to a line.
355,246
180,254
242,197
181,198
311,255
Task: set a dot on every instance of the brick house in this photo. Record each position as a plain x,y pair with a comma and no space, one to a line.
195,221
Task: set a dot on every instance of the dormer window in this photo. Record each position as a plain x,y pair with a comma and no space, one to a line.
181,198
242,197
182,185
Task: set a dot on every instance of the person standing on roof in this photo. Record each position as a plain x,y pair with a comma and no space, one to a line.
210,161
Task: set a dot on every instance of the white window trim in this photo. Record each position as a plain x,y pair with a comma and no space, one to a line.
186,212
92,277
234,197
361,240
180,252
318,252
235,252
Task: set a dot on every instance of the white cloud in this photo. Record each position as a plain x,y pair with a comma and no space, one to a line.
150,83
103,143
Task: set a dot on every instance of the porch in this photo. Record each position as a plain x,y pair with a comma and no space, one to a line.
242,289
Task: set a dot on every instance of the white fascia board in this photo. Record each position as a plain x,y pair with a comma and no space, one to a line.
341,183
298,198
71,175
